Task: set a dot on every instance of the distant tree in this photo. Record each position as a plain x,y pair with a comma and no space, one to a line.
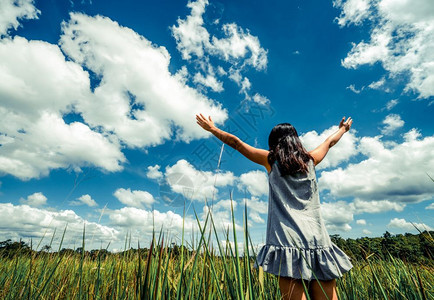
46,248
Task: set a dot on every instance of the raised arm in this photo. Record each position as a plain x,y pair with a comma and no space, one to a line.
320,152
256,155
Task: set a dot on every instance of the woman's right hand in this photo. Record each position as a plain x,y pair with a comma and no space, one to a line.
346,124
205,123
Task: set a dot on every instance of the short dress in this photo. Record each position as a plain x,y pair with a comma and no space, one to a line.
297,243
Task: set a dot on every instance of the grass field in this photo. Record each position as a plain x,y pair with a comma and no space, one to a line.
197,272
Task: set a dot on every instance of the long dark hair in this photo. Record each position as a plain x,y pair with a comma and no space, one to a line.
285,147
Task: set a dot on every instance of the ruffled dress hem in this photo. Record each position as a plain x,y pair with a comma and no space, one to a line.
322,263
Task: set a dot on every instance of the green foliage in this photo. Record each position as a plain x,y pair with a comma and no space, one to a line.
411,248
384,268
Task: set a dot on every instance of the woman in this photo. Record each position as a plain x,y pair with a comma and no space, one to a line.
298,246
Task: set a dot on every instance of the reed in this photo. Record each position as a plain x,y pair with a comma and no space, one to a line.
196,272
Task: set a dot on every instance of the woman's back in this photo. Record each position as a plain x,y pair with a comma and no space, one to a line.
297,241
294,201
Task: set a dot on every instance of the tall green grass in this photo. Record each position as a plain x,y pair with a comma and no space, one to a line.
196,272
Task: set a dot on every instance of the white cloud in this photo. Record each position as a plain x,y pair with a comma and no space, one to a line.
192,38
36,199
237,44
154,172
245,86
235,75
366,231
190,35
261,100
221,213
361,222
255,182
373,206
376,85
353,11
236,47
23,221
13,10
392,174
137,93
341,152
131,217
431,206
255,207
84,199
224,205
408,226
337,215
185,179
208,81
402,39
37,87
352,88
391,123
391,104
137,199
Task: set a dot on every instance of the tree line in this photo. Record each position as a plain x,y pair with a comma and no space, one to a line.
411,248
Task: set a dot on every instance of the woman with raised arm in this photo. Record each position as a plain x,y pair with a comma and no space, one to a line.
297,246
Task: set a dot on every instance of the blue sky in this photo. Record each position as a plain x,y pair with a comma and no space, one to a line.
98,98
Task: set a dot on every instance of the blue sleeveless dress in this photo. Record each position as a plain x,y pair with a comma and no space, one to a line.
297,243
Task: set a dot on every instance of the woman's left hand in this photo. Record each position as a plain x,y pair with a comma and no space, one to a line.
208,125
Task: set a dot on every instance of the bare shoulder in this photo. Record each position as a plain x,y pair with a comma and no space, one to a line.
319,152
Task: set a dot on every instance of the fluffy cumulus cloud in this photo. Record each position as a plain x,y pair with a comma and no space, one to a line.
132,92
154,172
208,81
254,182
366,231
401,39
391,123
84,200
23,221
337,215
222,216
36,199
340,214
236,47
341,152
137,93
361,222
193,39
185,179
255,207
431,206
11,11
374,206
352,11
37,87
138,199
146,220
408,226
390,175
